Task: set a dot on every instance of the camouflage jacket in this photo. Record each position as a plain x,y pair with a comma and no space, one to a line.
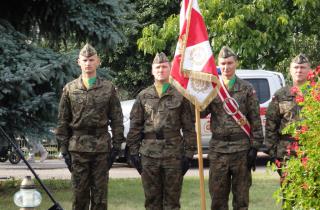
282,111
227,135
84,117
166,115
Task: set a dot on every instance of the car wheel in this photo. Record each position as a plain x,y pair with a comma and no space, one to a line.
14,158
3,158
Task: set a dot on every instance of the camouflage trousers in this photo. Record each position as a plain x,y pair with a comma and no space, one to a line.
89,180
229,171
162,183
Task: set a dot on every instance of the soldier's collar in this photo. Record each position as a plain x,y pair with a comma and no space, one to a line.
168,92
82,87
236,85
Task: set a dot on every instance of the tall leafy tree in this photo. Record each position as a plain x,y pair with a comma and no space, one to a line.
37,57
133,67
58,22
264,33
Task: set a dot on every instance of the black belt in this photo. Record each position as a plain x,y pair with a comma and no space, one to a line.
90,131
162,135
233,137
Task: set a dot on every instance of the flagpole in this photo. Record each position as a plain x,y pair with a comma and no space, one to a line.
185,38
197,110
200,160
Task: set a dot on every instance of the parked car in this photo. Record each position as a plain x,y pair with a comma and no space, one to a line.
126,107
266,83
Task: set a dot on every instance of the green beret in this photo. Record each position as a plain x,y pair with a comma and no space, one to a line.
87,51
160,58
300,59
226,52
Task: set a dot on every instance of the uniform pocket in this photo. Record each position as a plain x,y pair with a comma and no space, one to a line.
286,106
173,104
101,100
77,98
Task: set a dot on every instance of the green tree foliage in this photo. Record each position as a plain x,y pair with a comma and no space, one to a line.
30,81
37,38
264,33
133,67
62,21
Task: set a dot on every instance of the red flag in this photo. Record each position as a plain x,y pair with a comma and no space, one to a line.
194,71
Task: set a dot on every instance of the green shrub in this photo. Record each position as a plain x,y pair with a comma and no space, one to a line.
301,186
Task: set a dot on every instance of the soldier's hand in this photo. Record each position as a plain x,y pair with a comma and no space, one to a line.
67,160
185,164
136,161
251,158
112,157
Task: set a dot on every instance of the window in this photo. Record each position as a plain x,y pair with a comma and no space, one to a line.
262,88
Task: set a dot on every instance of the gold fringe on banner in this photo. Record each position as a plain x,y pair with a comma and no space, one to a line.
201,76
192,98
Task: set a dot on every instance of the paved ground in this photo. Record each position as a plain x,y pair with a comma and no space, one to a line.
56,169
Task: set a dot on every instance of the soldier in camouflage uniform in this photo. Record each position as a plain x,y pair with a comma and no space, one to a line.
157,116
87,107
282,111
231,153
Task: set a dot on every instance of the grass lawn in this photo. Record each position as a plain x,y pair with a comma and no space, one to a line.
127,194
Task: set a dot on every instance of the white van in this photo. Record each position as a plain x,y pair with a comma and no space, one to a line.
266,83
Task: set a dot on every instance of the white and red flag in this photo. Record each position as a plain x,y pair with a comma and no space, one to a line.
194,71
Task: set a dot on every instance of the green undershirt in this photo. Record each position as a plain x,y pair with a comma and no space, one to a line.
230,82
162,88
89,82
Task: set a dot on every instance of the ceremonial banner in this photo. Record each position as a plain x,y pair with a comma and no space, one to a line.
194,71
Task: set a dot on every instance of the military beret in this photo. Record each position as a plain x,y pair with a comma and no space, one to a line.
226,52
160,58
300,59
87,51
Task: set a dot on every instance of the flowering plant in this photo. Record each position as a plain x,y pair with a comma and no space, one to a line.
301,186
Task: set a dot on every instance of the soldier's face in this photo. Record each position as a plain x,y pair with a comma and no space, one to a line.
161,72
89,65
228,67
299,72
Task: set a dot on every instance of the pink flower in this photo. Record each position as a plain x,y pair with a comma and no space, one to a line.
317,97
303,129
304,161
294,146
294,90
313,83
278,163
289,149
299,99
311,76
